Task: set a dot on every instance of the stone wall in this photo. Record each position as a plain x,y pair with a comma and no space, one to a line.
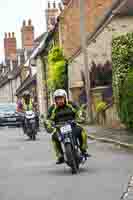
41,93
100,50
9,89
107,118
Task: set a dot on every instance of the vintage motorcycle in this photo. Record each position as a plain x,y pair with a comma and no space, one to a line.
70,146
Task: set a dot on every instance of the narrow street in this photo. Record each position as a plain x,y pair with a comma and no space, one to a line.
28,170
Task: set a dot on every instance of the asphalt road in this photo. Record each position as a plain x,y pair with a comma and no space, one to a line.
28,170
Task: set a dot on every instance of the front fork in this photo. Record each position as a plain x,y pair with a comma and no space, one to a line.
66,140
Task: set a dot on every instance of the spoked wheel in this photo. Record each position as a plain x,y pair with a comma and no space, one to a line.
71,158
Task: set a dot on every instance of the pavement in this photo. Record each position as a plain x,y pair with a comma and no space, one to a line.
128,194
28,170
120,137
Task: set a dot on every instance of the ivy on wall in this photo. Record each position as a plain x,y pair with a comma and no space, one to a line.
122,58
57,69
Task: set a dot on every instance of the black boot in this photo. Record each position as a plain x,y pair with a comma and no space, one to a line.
60,160
85,154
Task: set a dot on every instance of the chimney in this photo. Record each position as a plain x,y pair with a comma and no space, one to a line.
27,35
10,46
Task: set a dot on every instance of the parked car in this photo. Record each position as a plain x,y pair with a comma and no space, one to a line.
9,116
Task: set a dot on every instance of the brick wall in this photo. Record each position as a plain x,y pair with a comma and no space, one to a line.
70,18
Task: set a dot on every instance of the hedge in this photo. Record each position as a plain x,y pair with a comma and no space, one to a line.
122,60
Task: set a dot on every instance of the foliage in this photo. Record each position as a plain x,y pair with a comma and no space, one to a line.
57,70
126,101
122,57
101,106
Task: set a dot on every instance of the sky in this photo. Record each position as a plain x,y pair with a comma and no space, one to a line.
12,14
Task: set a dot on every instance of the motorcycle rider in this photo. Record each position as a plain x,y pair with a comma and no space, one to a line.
19,104
62,110
27,104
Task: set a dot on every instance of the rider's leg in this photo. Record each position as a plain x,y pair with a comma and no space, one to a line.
57,149
23,126
37,122
81,135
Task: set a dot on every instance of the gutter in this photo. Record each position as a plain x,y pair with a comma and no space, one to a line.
104,22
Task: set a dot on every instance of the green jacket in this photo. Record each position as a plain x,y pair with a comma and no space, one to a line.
27,106
69,112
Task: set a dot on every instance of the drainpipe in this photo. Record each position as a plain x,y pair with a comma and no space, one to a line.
86,64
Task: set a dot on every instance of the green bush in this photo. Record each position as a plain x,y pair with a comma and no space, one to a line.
126,101
122,58
101,106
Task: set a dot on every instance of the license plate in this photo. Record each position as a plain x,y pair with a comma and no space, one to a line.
11,119
32,120
67,140
66,129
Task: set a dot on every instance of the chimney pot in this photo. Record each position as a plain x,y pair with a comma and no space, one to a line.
60,7
54,4
49,5
24,23
13,34
5,35
9,35
29,22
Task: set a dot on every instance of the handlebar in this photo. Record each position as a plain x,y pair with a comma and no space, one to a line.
58,125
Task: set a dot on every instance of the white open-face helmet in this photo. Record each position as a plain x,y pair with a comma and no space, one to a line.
26,93
60,93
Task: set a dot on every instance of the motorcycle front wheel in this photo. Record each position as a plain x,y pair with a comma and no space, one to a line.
71,158
34,136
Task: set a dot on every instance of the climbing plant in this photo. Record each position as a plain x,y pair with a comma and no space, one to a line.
57,69
126,101
122,58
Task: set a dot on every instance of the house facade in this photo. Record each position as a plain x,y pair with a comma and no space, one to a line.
103,20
